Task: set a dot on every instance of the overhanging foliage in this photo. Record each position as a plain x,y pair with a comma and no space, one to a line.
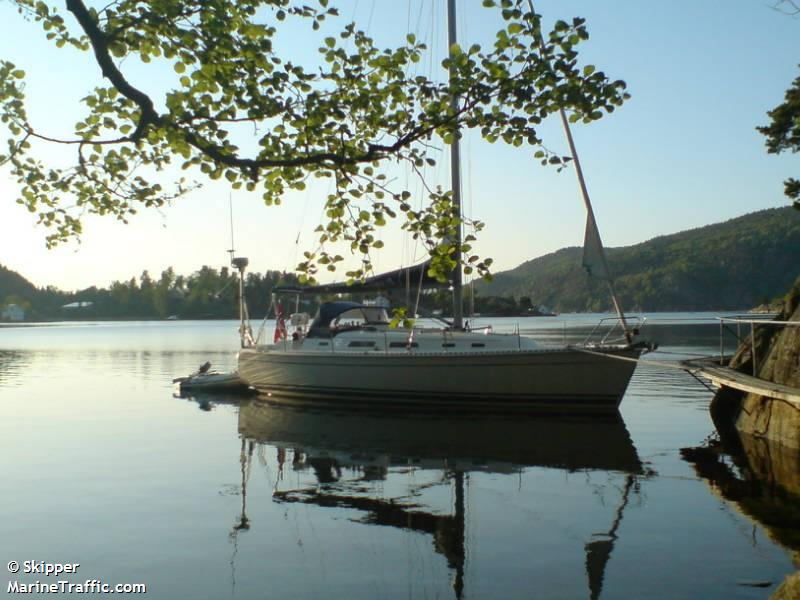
361,111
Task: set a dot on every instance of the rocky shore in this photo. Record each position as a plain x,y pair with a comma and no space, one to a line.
777,355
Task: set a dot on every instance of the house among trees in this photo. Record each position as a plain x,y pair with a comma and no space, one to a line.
77,305
12,312
76,309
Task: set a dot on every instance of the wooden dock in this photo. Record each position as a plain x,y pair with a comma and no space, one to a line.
721,375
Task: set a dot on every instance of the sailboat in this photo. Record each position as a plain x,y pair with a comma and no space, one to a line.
349,352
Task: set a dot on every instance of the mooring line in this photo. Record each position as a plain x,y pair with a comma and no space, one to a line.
657,363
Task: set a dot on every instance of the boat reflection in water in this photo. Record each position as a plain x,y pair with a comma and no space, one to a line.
351,454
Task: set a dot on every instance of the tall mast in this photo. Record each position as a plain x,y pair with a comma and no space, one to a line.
245,335
455,181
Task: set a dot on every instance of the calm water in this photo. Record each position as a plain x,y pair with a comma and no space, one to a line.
216,497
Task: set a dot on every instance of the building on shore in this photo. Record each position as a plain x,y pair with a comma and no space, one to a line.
77,306
12,312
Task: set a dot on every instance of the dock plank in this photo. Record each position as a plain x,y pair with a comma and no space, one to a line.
721,375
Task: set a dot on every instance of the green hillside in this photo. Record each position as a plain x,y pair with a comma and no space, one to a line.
732,265
15,289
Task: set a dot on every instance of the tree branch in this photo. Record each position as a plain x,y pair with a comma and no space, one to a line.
100,44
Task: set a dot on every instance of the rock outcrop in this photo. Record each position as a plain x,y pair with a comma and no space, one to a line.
789,589
777,354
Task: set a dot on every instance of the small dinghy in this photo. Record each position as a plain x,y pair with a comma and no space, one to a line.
206,379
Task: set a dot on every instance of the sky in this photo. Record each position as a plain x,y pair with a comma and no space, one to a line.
683,152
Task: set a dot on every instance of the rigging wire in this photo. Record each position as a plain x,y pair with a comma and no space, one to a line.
371,13
469,195
430,37
407,245
293,251
230,208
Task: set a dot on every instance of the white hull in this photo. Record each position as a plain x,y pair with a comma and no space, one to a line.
552,378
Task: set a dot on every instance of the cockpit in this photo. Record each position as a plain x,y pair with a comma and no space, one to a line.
334,317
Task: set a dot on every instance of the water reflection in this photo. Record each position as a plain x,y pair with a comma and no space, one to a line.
463,442
674,333
11,364
102,466
598,551
351,458
760,478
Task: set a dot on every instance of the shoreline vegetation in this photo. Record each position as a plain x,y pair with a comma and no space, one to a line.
194,298
207,294
747,261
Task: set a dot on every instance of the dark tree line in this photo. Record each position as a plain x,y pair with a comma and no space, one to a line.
205,294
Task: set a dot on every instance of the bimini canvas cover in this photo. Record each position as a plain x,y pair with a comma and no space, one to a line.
405,278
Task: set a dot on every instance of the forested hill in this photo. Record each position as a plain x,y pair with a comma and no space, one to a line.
14,284
732,265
